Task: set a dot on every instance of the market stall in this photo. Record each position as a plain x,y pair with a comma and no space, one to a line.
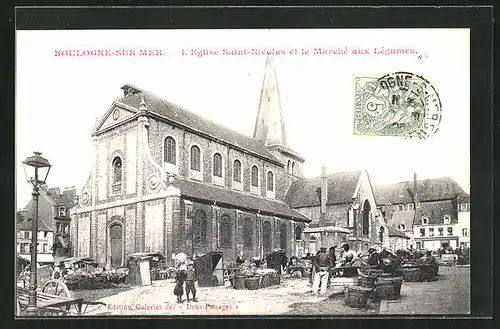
248,276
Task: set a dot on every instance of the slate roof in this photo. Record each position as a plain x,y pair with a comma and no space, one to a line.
435,211
184,117
395,232
25,225
341,187
57,199
402,217
428,190
225,196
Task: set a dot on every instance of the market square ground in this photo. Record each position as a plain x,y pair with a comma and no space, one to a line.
450,294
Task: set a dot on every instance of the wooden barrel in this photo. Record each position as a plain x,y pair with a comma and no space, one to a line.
388,288
239,282
411,274
252,282
356,296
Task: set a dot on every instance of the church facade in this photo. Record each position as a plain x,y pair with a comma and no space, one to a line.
167,180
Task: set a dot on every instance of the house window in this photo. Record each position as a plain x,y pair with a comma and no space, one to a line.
255,176
422,232
27,234
25,247
62,211
418,245
447,219
195,158
217,167
464,232
402,227
463,206
440,231
169,155
298,233
425,220
237,171
431,231
200,226
45,233
401,207
270,181
117,175
247,233
450,230
225,231
410,206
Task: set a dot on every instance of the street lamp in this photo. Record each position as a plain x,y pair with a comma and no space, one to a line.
35,167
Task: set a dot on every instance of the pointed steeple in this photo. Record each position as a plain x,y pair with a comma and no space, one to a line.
270,124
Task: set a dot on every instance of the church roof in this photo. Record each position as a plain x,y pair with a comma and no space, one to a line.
341,187
183,117
428,190
225,196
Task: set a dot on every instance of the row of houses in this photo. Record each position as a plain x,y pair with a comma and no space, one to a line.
165,179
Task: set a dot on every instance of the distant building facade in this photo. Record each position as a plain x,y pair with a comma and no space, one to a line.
428,211
167,180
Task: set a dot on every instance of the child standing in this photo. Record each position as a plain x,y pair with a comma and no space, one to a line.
190,280
180,277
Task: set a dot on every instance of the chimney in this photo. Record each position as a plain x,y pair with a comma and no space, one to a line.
415,191
324,194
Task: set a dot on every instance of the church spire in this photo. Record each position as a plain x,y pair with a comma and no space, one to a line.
270,125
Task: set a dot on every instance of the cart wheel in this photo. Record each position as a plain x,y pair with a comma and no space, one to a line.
56,287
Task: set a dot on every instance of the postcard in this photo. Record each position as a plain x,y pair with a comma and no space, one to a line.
243,172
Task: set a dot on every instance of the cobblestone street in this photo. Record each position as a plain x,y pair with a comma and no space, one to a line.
448,295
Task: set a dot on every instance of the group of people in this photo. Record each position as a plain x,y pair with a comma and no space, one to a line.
186,273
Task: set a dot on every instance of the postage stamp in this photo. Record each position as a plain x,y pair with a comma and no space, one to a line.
400,104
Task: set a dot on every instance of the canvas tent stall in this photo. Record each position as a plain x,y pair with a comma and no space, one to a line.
140,265
209,269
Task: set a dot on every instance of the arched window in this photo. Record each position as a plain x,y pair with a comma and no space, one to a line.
255,176
200,226
266,236
217,166
283,239
247,233
117,175
293,168
225,231
366,218
298,233
237,171
288,167
169,153
381,234
195,158
270,181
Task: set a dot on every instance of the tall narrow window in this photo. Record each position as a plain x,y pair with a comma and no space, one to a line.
293,168
225,231
270,181
217,166
195,158
255,176
169,155
447,219
298,233
200,226
266,236
288,167
425,220
237,171
450,230
247,233
283,239
117,175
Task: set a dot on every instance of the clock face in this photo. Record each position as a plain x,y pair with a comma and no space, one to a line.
116,114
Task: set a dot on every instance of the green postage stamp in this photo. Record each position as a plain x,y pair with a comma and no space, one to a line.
400,104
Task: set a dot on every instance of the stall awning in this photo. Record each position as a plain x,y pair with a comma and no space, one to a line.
327,229
40,258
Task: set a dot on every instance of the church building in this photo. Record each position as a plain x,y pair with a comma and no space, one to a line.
167,180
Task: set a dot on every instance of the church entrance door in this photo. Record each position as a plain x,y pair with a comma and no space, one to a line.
115,234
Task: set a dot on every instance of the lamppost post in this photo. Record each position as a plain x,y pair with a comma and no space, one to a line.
35,162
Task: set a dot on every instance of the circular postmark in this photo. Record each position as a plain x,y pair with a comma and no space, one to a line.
398,104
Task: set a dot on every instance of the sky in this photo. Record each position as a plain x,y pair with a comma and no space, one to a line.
60,98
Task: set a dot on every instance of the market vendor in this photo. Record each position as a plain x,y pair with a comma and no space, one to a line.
257,261
347,255
240,260
373,256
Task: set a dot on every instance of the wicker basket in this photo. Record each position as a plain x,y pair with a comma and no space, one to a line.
265,281
411,274
239,282
252,282
388,288
356,296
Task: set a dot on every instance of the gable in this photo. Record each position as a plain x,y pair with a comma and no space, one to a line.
114,115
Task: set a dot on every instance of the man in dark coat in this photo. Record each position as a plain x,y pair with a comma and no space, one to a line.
332,260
